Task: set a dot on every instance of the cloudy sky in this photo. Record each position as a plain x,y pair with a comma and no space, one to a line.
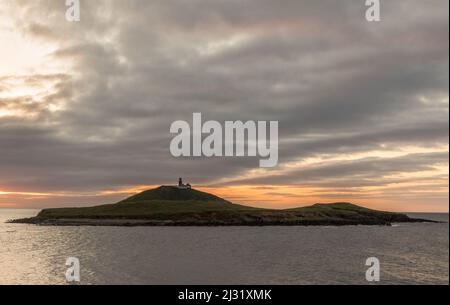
86,108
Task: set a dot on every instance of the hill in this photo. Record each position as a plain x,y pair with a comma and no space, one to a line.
170,205
173,193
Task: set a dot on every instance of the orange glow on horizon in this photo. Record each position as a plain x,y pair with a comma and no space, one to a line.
273,196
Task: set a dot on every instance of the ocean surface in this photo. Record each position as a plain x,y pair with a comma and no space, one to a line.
408,253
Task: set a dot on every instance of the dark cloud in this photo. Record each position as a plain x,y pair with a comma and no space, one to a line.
336,83
365,171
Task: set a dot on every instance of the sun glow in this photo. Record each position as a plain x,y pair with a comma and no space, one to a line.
21,54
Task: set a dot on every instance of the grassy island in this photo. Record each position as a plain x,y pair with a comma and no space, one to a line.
174,206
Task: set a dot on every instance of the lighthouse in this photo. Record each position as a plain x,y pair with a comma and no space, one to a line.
183,186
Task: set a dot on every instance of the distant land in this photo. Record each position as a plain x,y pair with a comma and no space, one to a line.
184,206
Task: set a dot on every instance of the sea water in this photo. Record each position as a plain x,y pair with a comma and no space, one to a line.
408,253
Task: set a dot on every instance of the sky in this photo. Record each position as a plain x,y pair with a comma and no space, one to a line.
363,107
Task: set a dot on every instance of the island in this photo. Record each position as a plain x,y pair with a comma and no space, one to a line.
182,205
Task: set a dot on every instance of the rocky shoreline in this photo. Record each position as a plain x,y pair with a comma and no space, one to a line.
204,223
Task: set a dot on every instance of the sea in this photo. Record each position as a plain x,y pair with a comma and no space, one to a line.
413,253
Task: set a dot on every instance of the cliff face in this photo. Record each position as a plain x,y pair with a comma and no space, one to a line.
168,205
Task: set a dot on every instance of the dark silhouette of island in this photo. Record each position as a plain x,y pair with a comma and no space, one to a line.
182,205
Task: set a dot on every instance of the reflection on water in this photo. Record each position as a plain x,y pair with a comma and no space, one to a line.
409,253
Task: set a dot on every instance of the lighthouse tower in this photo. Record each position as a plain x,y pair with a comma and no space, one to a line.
183,186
